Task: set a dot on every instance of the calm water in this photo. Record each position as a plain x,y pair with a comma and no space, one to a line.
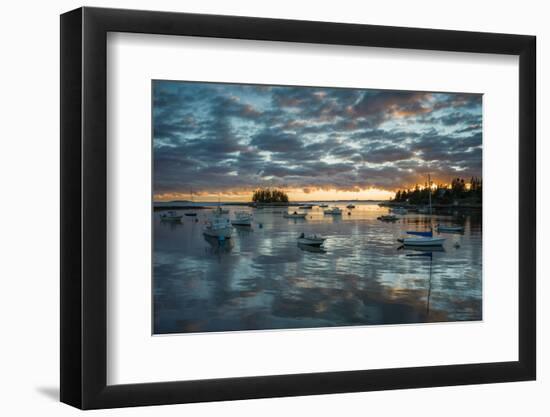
261,279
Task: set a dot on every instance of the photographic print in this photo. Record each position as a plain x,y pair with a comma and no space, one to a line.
293,207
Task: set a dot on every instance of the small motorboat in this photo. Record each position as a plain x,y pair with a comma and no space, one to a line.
295,215
388,218
455,229
323,205
242,218
311,240
190,213
307,207
335,211
218,227
171,216
350,206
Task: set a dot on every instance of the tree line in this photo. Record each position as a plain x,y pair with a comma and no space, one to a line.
458,191
269,195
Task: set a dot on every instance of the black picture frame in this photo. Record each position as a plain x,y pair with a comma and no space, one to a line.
84,207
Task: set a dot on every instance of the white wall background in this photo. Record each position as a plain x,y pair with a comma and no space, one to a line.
29,219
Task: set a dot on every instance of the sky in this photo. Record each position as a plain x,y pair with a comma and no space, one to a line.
222,141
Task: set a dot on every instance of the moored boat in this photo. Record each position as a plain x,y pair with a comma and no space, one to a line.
242,218
399,210
388,218
422,241
455,229
350,206
335,211
171,216
295,215
311,240
218,226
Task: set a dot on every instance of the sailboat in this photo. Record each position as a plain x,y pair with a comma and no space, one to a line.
191,213
424,238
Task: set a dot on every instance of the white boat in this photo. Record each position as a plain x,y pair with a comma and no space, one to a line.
311,240
295,215
422,241
335,211
450,228
219,227
242,218
171,216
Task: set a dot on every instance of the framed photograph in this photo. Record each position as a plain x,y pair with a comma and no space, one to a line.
257,208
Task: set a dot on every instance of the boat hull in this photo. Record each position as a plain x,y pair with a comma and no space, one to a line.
422,241
222,233
171,219
450,229
241,223
310,242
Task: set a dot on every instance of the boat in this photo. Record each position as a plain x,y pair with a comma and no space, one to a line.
425,238
310,248
311,240
242,218
171,216
323,205
455,229
295,215
350,206
306,206
218,226
388,218
335,211
399,210
422,241
218,211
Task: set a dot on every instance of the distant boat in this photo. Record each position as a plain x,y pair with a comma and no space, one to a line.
399,210
311,240
242,218
218,226
388,218
307,207
171,216
218,211
335,211
295,215
350,206
456,229
422,241
323,205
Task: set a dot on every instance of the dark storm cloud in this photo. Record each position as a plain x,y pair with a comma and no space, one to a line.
227,137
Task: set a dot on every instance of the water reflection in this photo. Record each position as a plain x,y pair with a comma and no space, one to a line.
262,279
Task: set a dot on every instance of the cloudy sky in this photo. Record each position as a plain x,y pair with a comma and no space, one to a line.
317,143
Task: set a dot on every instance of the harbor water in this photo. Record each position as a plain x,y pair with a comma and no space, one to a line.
261,279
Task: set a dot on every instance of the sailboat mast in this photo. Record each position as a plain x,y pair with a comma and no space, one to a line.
430,193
